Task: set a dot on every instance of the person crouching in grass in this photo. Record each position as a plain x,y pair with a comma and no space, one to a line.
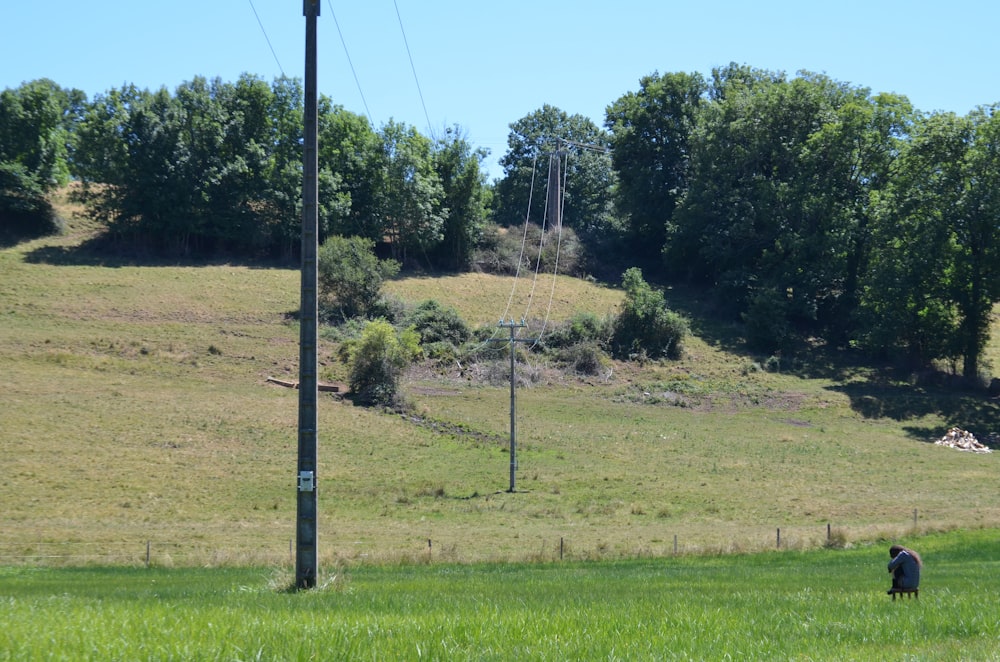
905,567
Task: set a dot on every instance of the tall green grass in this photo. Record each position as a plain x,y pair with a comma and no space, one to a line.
818,605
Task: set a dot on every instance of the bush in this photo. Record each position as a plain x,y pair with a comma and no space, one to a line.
25,212
552,251
583,327
438,324
584,358
766,320
377,361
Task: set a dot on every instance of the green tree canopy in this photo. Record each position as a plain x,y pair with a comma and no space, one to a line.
935,274
467,199
651,129
36,140
588,176
776,214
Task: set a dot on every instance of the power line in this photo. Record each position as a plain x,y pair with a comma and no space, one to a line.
561,204
261,24
524,238
351,64
430,127
520,258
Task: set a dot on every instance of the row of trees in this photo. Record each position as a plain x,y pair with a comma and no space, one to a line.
217,167
809,208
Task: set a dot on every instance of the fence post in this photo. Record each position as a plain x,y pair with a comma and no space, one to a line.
147,553
828,532
560,548
779,538
675,544
914,518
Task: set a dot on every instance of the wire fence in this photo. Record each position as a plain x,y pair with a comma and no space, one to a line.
557,547
139,552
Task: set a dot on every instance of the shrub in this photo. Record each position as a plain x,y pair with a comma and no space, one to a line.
25,212
585,358
438,324
766,320
583,327
552,251
377,361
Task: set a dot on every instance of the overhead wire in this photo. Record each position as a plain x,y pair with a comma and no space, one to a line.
420,92
524,238
541,244
351,65
520,259
561,202
267,39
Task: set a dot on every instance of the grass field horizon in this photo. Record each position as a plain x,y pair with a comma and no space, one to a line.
136,408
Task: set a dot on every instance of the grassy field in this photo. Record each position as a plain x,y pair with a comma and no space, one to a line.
817,605
136,408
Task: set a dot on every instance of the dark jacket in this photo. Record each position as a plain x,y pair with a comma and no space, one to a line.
905,571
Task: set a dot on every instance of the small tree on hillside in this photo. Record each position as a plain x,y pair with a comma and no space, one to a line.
645,325
351,276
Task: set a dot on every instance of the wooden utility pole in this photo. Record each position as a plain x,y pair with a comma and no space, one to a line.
306,512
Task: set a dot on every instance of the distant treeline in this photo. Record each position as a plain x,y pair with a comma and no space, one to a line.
805,207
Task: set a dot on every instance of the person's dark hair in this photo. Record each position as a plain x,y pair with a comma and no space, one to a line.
896,549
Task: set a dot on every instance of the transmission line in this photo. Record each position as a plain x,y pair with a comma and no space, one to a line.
561,203
427,117
350,63
261,24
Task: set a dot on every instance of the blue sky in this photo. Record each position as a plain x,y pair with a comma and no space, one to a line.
483,65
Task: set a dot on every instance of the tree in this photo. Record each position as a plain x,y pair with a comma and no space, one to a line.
351,151
36,129
409,204
377,361
650,135
587,175
36,139
776,215
466,197
212,168
285,169
936,273
350,276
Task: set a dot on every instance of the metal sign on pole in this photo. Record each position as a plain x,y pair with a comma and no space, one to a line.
306,511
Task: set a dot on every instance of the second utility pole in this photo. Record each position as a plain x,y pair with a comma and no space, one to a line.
513,397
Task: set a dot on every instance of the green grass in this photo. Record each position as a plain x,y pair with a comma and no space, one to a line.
135,408
818,605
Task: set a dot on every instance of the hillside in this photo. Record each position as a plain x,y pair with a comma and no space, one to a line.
136,408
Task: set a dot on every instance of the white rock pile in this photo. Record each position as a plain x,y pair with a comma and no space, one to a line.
962,440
